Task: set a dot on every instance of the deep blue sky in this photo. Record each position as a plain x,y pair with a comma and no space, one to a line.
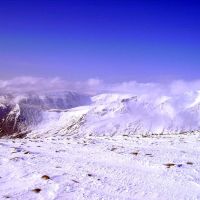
110,40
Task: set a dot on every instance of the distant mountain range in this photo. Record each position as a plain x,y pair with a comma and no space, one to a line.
70,113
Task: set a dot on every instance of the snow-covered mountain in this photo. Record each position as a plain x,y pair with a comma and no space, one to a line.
125,114
105,114
20,113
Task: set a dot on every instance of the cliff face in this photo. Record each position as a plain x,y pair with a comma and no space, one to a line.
19,113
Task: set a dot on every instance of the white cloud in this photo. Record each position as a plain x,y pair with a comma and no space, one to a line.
95,86
39,84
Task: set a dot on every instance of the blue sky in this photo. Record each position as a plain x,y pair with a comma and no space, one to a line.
114,41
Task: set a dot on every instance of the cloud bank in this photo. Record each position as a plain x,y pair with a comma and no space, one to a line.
39,84
96,86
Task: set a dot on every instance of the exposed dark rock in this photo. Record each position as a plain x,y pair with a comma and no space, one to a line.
19,113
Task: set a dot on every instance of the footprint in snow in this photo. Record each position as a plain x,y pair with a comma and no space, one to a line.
149,154
90,175
6,197
17,150
17,158
113,149
75,181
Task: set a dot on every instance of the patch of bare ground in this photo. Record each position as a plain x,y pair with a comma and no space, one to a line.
36,190
135,153
45,177
189,163
169,165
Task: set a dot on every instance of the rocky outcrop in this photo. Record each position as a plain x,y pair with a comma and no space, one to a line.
18,113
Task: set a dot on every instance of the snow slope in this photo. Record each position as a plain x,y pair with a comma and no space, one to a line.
110,168
125,114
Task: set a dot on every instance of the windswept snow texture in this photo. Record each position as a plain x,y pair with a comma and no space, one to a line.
165,167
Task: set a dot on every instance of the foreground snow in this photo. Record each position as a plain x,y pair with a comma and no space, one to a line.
118,167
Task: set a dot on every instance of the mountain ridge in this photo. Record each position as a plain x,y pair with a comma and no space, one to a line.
20,113
104,114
